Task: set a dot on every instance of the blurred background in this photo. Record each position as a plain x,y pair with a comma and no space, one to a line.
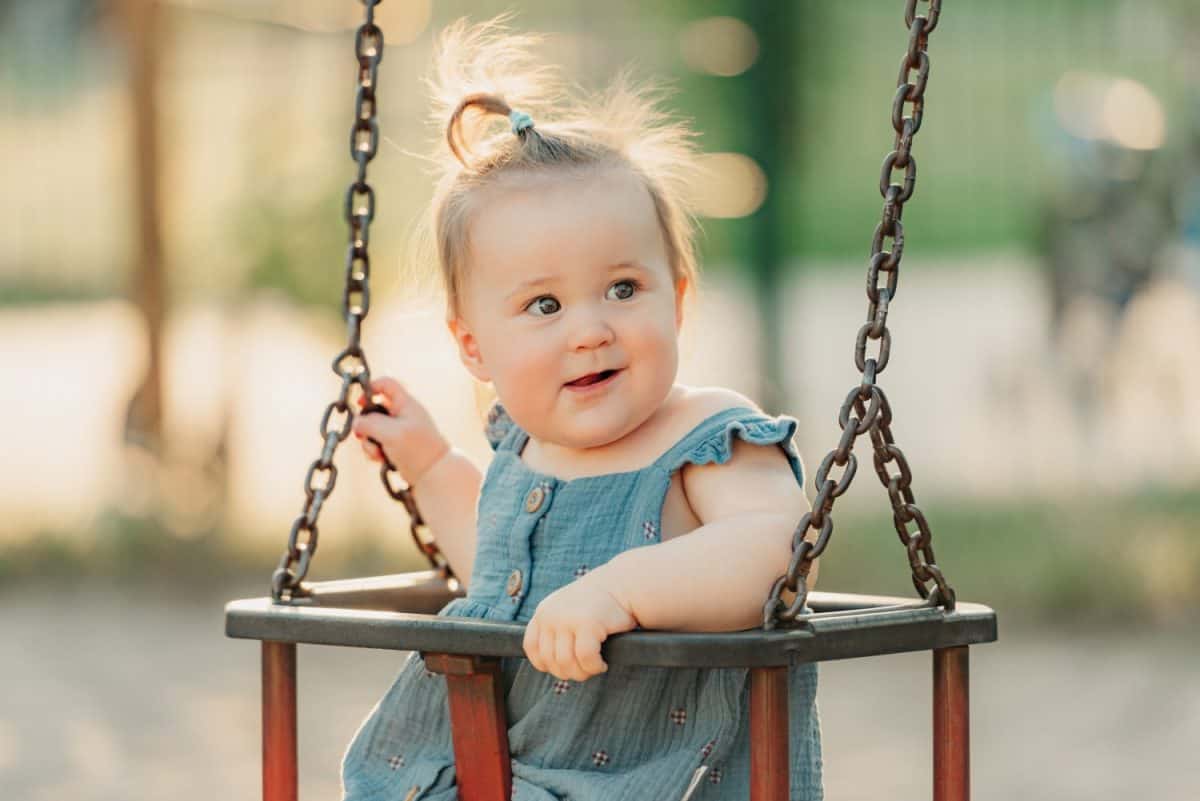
170,304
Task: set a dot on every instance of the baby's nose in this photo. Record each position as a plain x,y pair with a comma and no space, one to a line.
592,331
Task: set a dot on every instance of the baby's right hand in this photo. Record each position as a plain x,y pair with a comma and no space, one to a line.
408,434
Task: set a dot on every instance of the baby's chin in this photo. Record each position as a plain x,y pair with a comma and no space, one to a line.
579,440
590,435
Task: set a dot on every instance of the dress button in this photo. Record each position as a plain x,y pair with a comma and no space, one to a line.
533,501
514,583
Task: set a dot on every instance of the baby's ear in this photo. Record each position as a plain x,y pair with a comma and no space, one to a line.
681,288
468,348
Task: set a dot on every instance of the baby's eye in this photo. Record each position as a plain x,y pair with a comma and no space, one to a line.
622,290
543,306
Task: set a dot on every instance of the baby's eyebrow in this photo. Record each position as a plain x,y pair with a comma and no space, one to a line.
533,283
626,265
526,286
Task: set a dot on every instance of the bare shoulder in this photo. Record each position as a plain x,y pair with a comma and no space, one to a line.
692,405
755,479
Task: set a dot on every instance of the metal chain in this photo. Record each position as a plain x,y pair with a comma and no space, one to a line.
351,364
866,408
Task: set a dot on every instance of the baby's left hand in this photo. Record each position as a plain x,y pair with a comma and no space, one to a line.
564,636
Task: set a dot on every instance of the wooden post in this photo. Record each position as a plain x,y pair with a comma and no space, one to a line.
951,725
769,774
478,724
279,721
144,33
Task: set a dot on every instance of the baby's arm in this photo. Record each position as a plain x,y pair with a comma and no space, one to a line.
716,578
447,496
445,483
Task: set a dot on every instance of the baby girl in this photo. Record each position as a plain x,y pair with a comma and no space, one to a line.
617,498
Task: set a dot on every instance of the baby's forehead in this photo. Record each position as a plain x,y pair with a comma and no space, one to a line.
535,220
558,184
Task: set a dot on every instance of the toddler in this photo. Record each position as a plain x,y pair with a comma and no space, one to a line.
617,498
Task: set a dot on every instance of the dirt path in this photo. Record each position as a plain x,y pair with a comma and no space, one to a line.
122,696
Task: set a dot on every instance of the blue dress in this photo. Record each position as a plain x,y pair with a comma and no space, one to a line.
631,733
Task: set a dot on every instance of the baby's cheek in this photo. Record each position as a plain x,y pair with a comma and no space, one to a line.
528,391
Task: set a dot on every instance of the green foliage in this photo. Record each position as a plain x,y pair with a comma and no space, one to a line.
1086,559
30,288
985,147
1076,561
295,245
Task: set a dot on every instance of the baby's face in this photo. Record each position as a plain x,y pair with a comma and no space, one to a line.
569,306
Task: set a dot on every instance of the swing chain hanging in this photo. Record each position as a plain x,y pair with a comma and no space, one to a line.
351,364
866,408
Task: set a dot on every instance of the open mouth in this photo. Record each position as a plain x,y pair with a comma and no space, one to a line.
591,379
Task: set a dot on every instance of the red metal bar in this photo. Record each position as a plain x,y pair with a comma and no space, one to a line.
769,776
951,725
478,724
279,720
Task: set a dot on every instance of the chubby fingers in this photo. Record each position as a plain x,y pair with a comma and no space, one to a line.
587,650
372,450
566,653
367,437
530,645
393,392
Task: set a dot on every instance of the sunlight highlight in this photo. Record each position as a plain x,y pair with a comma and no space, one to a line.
735,187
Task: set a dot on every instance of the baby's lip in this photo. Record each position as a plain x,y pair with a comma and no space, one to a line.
595,372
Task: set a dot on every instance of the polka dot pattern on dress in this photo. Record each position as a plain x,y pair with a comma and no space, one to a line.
650,529
396,762
561,686
679,716
600,758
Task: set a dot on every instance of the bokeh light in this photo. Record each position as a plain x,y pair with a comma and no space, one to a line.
733,186
1133,117
722,46
1118,110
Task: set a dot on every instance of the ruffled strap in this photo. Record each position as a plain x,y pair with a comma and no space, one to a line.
499,427
712,440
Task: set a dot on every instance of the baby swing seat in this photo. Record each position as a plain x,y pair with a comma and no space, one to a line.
398,612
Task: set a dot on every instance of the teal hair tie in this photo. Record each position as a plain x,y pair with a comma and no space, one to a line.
520,121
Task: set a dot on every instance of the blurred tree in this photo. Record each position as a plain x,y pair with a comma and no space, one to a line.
140,25
772,139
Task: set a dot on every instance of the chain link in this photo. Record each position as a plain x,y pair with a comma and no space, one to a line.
351,364
866,408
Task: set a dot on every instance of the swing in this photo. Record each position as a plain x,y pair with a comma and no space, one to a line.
398,612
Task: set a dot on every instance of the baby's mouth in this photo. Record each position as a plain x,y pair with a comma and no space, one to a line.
592,378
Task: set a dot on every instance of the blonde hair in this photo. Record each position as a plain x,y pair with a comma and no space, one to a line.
482,73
